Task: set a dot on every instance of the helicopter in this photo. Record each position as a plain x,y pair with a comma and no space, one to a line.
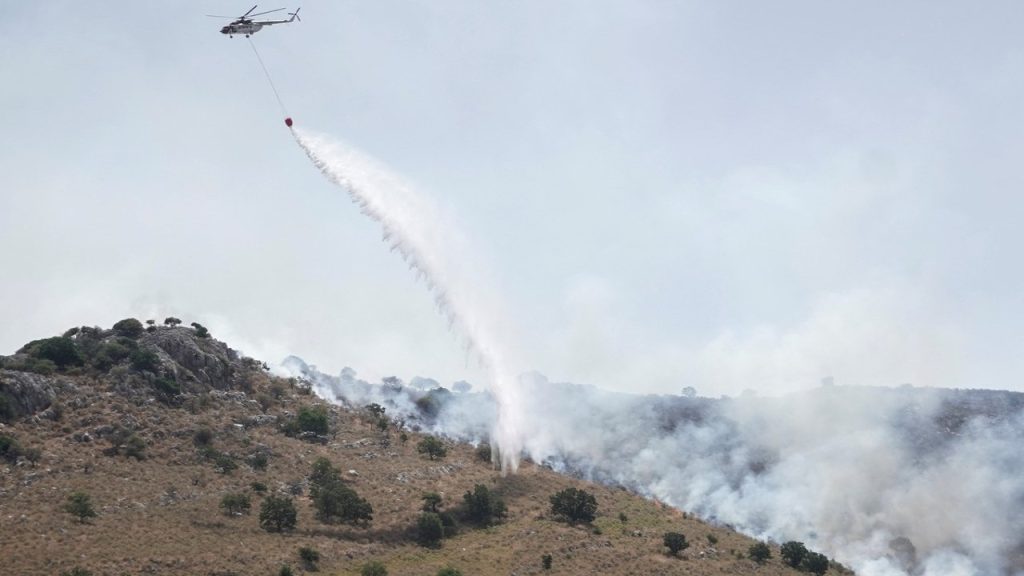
245,24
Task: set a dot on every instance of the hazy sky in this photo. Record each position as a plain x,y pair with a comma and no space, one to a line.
725,195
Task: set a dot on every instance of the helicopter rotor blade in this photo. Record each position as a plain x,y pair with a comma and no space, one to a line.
267,12
217,16
250,10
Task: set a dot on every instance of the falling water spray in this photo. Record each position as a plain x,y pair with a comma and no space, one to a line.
430,244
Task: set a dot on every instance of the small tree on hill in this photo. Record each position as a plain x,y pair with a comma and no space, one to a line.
432,447
235,504
431,500
277,514
814,563
429,530
333,500
759,552
313,419
793,553
171,321
309,558
448,571
80,505
675,542
574,505
201,330
482,507
129,328
373,568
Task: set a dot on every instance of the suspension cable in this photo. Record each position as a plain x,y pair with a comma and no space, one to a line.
269,79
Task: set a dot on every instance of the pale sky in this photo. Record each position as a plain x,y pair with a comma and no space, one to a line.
720,194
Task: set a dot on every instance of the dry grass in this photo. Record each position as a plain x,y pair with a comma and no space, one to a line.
161,515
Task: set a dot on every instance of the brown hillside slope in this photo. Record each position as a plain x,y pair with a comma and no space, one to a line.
160,514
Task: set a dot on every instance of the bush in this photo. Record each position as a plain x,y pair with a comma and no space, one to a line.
62,352
759,552
223,462
429,530
333,500
80,505
712,539
6,411
171,321
108,355
574,505
309,557
258,461
793,553
814,563
166,386
235,504
481,506
202,438
129,328
10,449
145,360
675,542
76,571
432,447
258,487
431,500
277,514
373,568
483,452
313,419
545,561
135,447
448,571
201,330
285,570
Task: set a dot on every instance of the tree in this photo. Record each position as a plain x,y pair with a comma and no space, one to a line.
448,571
793,553
545,561
313,419
277,514
759,552
429,530
145,360
129,328
689,392
431,500
63,352
483,452
373,568
481,506
574,505
171,321
235,504
432,447
332,499
201,330
376,410
80,505
814,563
675,542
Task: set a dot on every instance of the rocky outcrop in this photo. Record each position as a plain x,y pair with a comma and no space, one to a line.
204,360
26,393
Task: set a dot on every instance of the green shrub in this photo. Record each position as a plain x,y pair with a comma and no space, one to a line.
483,452
6,410
235,504
166,386
623,518
285,570
545,561
431,500
793,553
814,563
79,505
201,330
332,499
258,461
258,487
675,542
135,447
277,514
712,539
10,449
481,506
309,558
108,355
202,437
574,505
432,447
62,352
224,463
313,419
759,552
129,328
373,568
429,530
76,571
448,571
171,321
145,360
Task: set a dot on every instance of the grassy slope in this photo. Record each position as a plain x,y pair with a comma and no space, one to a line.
161,515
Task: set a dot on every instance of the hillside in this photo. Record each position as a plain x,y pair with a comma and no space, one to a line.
157,425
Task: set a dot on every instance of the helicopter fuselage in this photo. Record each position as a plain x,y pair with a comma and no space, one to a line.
246,28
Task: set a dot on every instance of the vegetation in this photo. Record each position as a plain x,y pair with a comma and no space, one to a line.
545,561
429,530
10,448
574,505
285,570
171,321
814,563
203,438
60,351
432,447
201,330
448,571
277,514
310,419
675,542
309,557
76,571
431,500
373,568
793,553
235,504
129,328
759,552
333,501
79,505
483,507
483,452
145,360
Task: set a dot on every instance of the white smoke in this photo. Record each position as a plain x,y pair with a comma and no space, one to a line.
430,244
